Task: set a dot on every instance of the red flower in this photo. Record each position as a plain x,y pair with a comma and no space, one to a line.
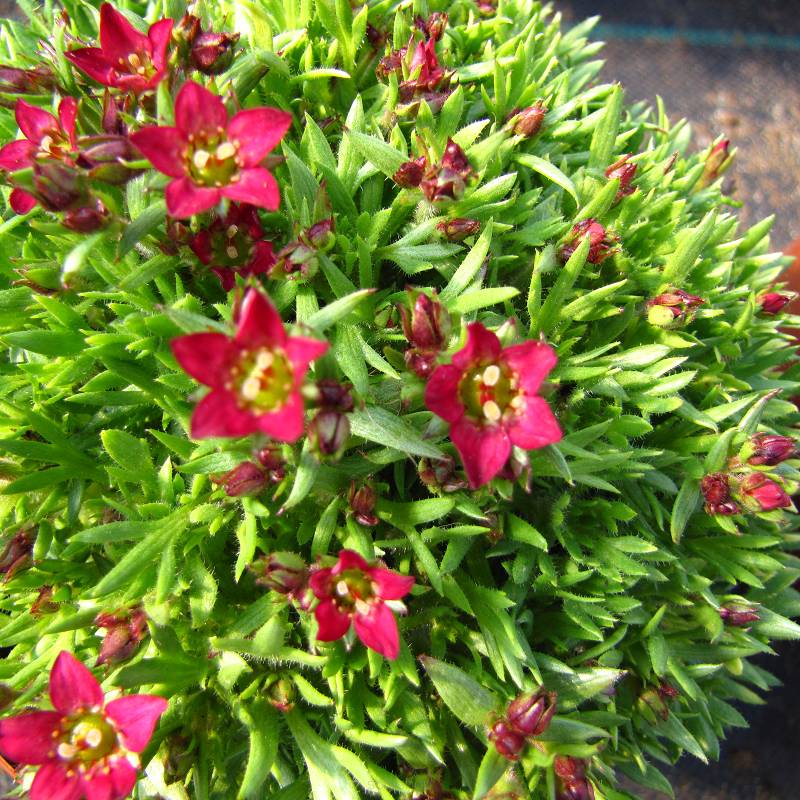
774,302
234,245
126,59
489,396
255,377
353,591
763,494
86,747
212,157
45,137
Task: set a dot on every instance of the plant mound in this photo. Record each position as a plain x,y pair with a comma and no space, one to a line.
384,393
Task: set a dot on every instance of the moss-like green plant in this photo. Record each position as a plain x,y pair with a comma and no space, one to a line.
369,561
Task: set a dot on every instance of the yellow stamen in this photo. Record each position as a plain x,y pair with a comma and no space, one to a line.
342,589
232,231
201,158
250,388
491,375
225,150
492,411
231,251
66,750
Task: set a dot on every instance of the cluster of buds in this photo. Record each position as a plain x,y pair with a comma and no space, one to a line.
653,702
526,717
718,160
284,573
39,80
674,306
528,121
755,491
362,504
299,258
739,615
208,52
427,329
419,73
602,243
440,475
571,780
624,171
773,303
124,630
17,553
458,229
448,178
329,430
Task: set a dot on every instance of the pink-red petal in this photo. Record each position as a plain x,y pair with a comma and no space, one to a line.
28,738
257,131
67,114
391,585
263,258
72,685
21,201
185,199
256,186
302,351
92,61
531,361
123,776
332,624
118,38
535,426
34,122
378,630
482,346
320,582
17,155
205,356
218,414
349,559
288,423
484,449
198,111
260,324
441,393
97,785
159,36
136,716
163,147
53,783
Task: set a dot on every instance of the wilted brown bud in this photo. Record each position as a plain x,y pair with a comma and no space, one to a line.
625,172
528,122
212,52
456,230
717,494
362,502
245,479
410,173
44,604
16,554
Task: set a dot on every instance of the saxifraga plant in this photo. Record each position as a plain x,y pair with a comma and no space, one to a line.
386,395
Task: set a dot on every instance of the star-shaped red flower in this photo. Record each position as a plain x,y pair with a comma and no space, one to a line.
86,747
353,591
45,137
488,394
234,245
212,157
126,58
255,377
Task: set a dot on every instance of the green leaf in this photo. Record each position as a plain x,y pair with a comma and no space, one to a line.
549,171
522,531
493,767
337,311
138,228
692,242
376,424
377,152
463,695
264,733
481,298
304,479
469,266
684,507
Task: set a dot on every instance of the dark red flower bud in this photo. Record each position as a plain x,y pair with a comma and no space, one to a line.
285,573
335,396
440,474
184,33
774,302
16,554
434,26
739,616
271,458
44,604
39,80
104,157
528,122
625,172
575,790
59,187
390,64
320,234
329,432
410,173
762,493
86,219
246,479
717,494
213,52
456,230
375,37
281,695
455,158
506,740
770,449
124,631
362,501
601,242
487,8
568,768
428,325
571,782
530,714
112,122
666,690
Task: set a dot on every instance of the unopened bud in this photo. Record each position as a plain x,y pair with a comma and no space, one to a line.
329,432
245,479
285,573
456,230
770,449
624,171
506,740
124,632
601,242
761,493
212,52
774,302
362,502
334,396
739,616
528,122
717,494
410,173
103,157
718,160
86,219
16,554
281,695
530,714
320,234
440,474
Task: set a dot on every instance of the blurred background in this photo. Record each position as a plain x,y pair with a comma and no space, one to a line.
731,67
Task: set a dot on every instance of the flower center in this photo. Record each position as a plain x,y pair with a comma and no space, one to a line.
138,64
212,160
353,591
86,738
262,379
231,245
490,393
53,144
